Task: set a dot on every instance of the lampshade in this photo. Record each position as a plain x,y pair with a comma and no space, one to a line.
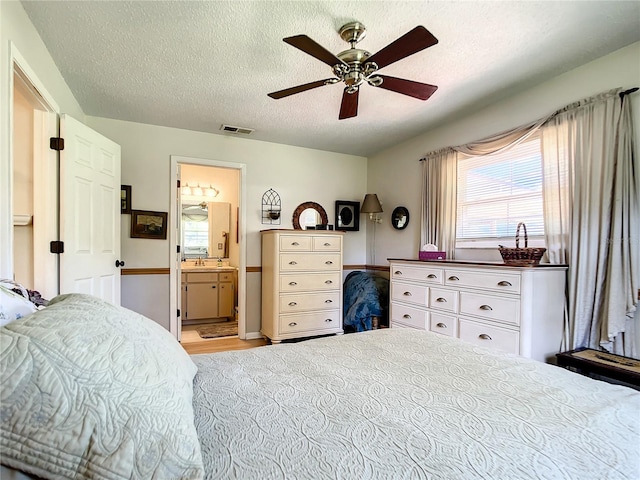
186,190
371,204
197,191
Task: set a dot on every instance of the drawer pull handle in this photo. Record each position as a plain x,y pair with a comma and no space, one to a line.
504,283
293,262
406,315
213,286
441,325
453,278
328,282
431,275
327,244
292,284
292,304
292,324
328,262
484,336
328,301
295,244
328,320
397,272
441,300
407,294
485,307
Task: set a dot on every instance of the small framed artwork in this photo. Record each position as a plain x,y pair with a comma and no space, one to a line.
347,215
125,198
146,224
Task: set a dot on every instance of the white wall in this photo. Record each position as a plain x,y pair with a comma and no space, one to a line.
17,33
297,174
395,174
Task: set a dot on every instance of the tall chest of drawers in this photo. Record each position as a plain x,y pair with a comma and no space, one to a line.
301,283
514,309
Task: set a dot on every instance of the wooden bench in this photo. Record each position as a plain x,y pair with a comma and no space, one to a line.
591,362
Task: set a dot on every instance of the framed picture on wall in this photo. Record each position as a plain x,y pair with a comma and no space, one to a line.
145,224
347,215
125,198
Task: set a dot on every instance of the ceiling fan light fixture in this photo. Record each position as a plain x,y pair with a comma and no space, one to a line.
355,66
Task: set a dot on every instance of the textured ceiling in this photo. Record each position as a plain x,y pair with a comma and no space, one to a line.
197,65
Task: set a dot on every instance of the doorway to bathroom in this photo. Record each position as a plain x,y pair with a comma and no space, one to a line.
208,271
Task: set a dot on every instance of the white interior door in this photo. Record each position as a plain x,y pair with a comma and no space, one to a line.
89,212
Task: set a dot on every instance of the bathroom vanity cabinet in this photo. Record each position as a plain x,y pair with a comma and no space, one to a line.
207,295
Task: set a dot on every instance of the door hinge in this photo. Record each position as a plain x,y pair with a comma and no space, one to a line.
56,246
178,312
56,143
178,183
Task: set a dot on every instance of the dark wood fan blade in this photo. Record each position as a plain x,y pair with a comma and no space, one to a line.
407,87
300,88
309,46
349,106
412,42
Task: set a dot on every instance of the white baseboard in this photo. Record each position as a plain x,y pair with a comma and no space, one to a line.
252,335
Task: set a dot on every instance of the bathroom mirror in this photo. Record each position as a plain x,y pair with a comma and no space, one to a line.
205,229
309,214
400,218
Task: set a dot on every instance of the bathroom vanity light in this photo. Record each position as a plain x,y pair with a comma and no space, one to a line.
198,191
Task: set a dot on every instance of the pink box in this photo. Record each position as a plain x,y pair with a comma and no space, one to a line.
432,255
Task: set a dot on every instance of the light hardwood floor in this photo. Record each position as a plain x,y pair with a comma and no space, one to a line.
193,344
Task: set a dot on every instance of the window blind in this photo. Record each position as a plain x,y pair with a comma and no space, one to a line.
496,192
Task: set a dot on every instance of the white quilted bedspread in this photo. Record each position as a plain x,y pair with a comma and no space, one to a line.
406,404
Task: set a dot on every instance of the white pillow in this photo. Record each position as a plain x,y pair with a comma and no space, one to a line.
91,390
13,306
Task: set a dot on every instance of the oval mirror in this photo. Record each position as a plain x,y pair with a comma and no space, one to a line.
400,218
309,214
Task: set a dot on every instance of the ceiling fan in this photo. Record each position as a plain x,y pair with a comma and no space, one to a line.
354,66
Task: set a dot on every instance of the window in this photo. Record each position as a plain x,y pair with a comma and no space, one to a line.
496,192
196,236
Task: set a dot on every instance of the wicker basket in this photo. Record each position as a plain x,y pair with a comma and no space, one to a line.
524,257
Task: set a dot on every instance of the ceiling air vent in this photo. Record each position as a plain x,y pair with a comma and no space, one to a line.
232,129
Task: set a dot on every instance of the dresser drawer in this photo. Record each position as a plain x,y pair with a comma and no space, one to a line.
306,322
326,243
408,316
291,262
443,325
489,336
441,299
295,243
410,293
422,274
310,281
503,309
506,282
309,301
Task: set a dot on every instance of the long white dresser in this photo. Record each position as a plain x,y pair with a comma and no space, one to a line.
514,309
301,283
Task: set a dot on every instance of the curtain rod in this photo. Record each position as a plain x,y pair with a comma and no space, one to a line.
621,94
629,92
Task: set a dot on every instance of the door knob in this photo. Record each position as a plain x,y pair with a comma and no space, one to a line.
119,263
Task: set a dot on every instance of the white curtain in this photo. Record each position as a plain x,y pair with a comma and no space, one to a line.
592,218
439,199
440,179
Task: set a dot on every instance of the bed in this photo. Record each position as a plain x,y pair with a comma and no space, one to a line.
90,390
